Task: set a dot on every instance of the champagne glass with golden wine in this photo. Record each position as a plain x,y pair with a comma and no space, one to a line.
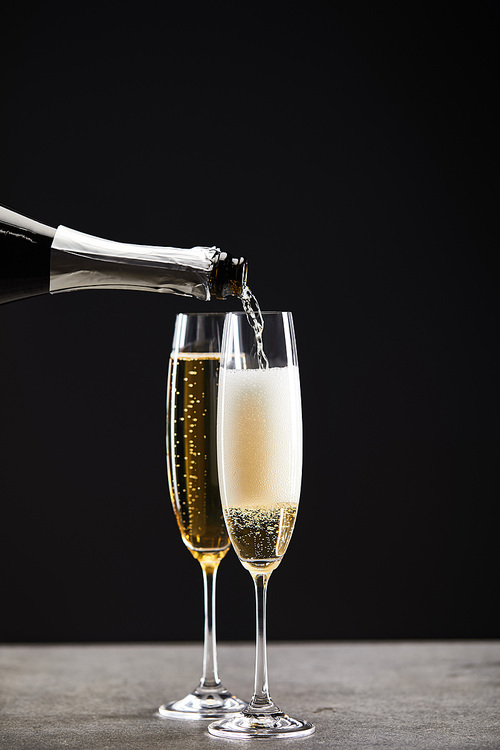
194,489
259,446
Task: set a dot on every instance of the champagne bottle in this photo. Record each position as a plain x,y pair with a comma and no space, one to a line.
38,259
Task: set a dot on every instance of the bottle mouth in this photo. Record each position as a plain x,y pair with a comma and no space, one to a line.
230,276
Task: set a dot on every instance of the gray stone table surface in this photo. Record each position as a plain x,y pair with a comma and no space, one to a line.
359,695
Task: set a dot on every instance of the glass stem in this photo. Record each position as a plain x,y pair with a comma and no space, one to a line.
210,677
261,702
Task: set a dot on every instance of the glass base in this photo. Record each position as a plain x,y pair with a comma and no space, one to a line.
260,727
203,703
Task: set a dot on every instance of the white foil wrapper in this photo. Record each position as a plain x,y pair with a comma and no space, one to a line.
81,261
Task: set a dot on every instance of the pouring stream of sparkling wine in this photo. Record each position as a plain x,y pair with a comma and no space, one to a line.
254,317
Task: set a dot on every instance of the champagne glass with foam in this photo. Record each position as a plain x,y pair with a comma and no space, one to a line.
259,447
194,489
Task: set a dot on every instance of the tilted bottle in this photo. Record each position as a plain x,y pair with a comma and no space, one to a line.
38,259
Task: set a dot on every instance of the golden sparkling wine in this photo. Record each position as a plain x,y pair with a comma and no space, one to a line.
260,535
260,460
192,455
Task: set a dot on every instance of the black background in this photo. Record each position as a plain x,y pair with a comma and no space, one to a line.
351,155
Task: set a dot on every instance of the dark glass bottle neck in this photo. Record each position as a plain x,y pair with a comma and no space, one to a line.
24,257
30,264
